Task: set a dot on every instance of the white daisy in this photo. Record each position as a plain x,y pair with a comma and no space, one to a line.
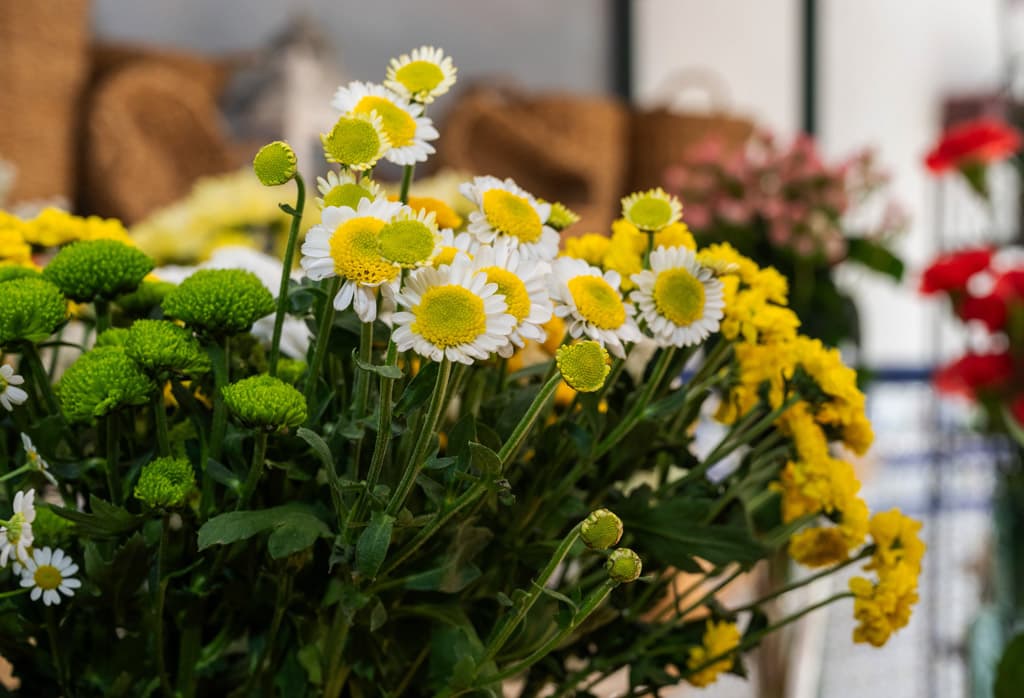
35,460
346,243
679,299
357,141
524,283
452,312
16,533
453,243
504,208
421,76
410,239
590,303
10,393
342,189
48,572
651,210
406,128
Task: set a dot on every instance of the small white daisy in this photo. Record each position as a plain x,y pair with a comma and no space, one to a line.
342,189
48,572
504,208
452,244
16,533
35,460
452,312
651,210
423,75
10,393
346,244
403,122
591,304
679,299
524,283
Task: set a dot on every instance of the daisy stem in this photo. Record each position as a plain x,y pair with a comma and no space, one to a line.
286,271
636,412
113,456
219,358
323,335
160,421
15,473
42,379
423,439
16,592
259,459
380,446
403,194
54,633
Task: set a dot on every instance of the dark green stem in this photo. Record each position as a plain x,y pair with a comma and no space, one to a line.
403,194
113,456
219,358
102,308
362,388
53,631
867,552
161,593
322,339
627,423
259,459
40,377
163,439
380,446
286,272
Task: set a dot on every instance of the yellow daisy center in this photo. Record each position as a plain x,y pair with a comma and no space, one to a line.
399,126
47,577
352,142
346,195
514,290
419,76
650,213
407,242
679,296
450,315
597,302
3,383
354,249
512,215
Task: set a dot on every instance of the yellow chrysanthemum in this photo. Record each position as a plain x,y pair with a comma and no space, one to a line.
675,235
651,210
590,247
719,639
444,214
897,541
13,248
885,606
818,547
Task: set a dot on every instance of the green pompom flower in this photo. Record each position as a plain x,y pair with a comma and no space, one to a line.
291,370
601,530
274,164
264,402
100,382
220,302
92,269
162,348
624,565
114,337
30,310
147,296
583,365
165,483
10,272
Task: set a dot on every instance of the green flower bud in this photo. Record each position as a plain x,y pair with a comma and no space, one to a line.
161,348
165,483
274,164
562,216
51,527
10,272
601,529
30,310
100,382
147,296
583,365
92,269
220,302
264,402
623,565
114,337
291,370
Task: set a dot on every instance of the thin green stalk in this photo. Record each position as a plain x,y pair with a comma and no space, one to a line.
423,439
403,193
259,459
41,378
383,440
322,338
102,308
113,456
284,591
635,414
336,674
53,631
55,353
161,593
163,439
16,472
515,440
286,271
219,359
362,389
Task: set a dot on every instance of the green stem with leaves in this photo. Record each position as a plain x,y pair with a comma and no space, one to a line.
383,440
403,193
323,336
219,353
41,378
286,270
635,414
259,459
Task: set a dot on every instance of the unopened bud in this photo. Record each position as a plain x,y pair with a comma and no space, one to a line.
623,565
275,164
601,529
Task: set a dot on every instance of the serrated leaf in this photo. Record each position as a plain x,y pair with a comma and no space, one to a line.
374,541
385,371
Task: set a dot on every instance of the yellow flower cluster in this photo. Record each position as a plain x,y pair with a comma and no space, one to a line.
719,638
623,252
884,606
52,227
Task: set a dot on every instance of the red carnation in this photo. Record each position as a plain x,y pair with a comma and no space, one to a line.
950,272
990,310
973,373
973,142
1010,285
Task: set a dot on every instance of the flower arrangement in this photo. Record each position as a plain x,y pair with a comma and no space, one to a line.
418,507
785,207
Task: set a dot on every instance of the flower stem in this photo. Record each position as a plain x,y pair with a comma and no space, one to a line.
113,456
362,387
219,359
519,434
54,633
41,378
15,473
161,594
160,420
423,439
259,459
286,272
322,338
102,308
635,414
403,194
380,446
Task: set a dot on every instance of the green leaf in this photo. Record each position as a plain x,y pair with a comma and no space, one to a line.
309,659
1010,672
484,459
373,543
385,371
297,534
106,520
418,391
296,526
222,474
876,256
378,617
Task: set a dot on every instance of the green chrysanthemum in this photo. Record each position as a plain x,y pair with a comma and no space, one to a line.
291,370
601,530
562,216
220,302
264,402
624,565
114,337
30,310
165,483
162,348
583,365
93,269
10,272
147,296
51,527
274,164
100,382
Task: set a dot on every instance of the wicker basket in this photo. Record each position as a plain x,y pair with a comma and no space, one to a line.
43,66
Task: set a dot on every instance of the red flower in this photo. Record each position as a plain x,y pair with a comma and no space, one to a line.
980,141
990,309
950,272
972,373
1010,286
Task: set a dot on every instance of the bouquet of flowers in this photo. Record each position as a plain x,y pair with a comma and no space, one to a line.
482,471
785,207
